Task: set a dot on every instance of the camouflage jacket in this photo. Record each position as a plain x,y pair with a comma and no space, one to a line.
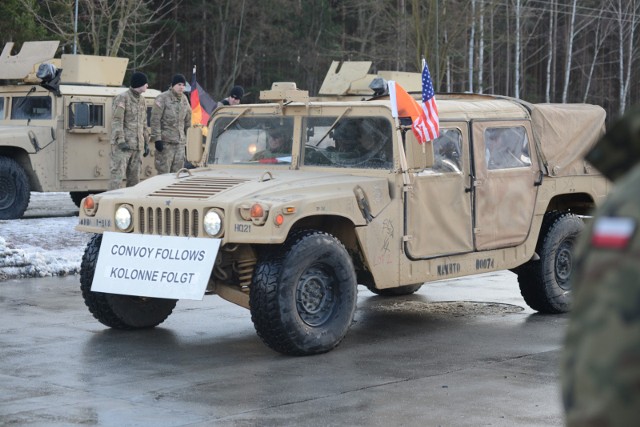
170,117
129,123
601,360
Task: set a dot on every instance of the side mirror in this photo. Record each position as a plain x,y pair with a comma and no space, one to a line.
195,144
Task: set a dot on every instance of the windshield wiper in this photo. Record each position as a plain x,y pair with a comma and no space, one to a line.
334,125
33,89
235,119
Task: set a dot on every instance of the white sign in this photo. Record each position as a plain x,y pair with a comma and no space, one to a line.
154,266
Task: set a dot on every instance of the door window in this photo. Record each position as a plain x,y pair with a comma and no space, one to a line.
506,148
447,149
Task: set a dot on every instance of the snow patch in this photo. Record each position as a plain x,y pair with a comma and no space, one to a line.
39,247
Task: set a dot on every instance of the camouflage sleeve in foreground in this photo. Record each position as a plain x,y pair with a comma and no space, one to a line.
619,150
156,117
601,361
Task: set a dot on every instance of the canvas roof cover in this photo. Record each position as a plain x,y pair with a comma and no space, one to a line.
566,132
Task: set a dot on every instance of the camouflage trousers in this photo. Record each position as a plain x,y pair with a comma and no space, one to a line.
124,164
171,158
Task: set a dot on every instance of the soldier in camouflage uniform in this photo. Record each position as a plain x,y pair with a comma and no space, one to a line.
170,119
129,134
601,362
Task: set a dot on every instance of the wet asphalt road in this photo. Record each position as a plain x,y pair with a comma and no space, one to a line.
461,353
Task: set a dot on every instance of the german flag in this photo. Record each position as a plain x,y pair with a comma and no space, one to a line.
202,105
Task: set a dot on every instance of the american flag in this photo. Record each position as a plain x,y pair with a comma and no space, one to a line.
428,124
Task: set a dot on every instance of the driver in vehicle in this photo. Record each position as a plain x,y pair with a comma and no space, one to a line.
278,145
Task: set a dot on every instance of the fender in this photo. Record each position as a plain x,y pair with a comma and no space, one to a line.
31,139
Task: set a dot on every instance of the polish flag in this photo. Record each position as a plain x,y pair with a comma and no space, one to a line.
612,232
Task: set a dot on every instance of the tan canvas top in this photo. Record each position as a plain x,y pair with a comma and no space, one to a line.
566,133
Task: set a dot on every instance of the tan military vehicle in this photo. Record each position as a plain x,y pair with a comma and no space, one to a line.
55,117
299,200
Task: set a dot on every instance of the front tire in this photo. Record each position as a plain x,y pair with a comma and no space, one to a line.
303,295
14,189
544,284
119,311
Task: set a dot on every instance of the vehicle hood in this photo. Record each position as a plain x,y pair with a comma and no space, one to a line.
223,188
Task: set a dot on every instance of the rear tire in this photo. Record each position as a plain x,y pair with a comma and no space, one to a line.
119,311
303,294
396,292
544,284
14,189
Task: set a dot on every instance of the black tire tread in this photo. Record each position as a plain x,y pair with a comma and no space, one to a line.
101,305
532,277
263,301
11,171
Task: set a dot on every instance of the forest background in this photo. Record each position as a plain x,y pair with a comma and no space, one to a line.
537,50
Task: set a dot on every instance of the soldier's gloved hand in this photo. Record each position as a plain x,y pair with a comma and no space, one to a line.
159,145
146,150
123,146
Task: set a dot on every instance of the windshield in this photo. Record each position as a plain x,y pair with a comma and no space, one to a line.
347,142
362,142
30,107
251,140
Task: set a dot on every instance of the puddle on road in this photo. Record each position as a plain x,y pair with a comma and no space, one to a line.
449,308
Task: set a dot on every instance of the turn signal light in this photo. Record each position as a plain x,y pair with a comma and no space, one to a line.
257,211
89,203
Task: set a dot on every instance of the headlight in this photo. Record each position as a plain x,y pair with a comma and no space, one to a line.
123,218
213,223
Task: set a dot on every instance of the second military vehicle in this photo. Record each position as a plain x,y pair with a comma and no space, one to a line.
55,123
299,200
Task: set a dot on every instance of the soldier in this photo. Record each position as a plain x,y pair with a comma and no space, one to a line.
601,361
129,133
234,98
170,119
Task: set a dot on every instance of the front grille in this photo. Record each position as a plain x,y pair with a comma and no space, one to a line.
198,187
168,221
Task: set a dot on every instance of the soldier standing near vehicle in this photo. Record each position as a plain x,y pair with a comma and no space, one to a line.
129,133
601,361
170,119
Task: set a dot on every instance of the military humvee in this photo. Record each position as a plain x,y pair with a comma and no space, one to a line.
289,229
55,126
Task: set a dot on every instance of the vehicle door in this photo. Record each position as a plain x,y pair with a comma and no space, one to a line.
505,177
438,219
87,148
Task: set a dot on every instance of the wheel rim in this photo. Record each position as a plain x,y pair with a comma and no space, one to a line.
564,262
315,296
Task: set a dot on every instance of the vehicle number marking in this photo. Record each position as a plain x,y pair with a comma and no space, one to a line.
242,228
484,264
96,222
447,269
